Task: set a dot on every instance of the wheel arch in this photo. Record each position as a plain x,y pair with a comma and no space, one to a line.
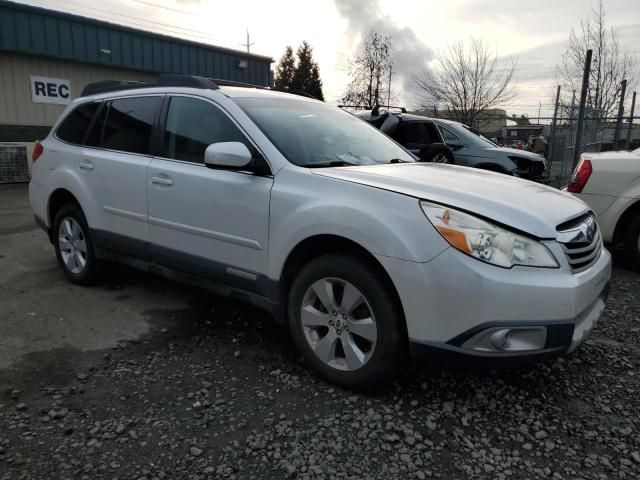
621,225
57,199
322,244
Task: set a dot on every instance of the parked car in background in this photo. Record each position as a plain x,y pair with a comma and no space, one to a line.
609,183
310,213
425,137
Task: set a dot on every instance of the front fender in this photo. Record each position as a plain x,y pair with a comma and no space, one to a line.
385,223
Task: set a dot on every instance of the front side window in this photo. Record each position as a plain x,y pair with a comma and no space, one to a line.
125,124
74,127
314,134
192,125
449,137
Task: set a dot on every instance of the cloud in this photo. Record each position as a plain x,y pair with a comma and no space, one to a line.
410,55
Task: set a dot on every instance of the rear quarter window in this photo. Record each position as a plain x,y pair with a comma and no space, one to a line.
74,127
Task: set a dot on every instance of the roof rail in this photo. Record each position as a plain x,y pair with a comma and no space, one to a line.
376,109
164,80
232,83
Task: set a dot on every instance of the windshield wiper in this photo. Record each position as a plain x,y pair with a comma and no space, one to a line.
332,163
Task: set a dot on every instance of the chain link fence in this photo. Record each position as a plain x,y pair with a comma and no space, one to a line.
598,136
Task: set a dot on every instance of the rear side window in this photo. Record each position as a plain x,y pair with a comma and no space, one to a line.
192,125
125,124
75,126
415,135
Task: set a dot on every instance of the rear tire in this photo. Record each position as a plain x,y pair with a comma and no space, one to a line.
74,246
631,241
359,339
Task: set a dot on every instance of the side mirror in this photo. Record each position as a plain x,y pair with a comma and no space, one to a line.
232,155
455,146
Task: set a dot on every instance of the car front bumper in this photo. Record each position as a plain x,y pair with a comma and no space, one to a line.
561,337
458,307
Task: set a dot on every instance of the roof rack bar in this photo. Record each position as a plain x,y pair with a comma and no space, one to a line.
164,80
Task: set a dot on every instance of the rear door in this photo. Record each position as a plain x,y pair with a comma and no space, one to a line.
415,135
209,222
114,163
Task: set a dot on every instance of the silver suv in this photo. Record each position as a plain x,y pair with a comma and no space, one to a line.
306,211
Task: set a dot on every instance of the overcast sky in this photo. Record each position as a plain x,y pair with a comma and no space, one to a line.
534,33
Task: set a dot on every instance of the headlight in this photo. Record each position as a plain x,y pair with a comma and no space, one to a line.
486,241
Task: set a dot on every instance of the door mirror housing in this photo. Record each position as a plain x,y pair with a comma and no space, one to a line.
230,155
455,146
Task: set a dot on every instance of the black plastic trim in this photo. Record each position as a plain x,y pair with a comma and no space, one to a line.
164,80
156,256
559,333
454,355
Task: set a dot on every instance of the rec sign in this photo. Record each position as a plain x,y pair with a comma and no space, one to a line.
50,90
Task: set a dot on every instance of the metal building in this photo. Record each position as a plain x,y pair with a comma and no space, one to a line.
47,57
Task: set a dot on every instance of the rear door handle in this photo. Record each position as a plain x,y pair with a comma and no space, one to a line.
162,179
85,165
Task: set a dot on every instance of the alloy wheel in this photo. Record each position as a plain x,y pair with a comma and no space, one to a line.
73,245
338,324
440,158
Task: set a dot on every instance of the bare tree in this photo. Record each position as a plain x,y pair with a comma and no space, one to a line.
369,71
466,81
609,65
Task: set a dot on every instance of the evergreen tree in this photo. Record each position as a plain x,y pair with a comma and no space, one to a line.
306,77
285,70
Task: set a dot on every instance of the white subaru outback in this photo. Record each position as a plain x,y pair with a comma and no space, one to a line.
305,210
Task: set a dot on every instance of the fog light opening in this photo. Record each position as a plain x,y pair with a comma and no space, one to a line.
508,339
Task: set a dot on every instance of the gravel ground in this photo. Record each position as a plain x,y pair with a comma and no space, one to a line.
215,390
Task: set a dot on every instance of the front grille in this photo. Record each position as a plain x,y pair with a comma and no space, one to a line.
581,242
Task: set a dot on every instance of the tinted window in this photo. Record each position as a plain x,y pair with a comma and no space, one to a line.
75,125
415,135
126,124
95,132
192,125
449,137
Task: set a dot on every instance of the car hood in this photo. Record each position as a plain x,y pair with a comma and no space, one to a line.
519,153
527,206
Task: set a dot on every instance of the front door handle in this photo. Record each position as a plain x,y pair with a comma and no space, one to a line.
85,165
165,180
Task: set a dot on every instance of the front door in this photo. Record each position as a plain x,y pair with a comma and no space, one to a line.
208,222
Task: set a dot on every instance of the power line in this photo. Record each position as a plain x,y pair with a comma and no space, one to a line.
167,8
77,5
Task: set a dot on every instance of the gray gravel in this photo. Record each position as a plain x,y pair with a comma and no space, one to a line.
140,378
216,391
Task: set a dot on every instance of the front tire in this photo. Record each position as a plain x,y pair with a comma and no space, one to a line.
74,246
346,321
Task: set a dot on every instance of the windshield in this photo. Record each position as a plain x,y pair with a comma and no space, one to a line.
470,136
312,134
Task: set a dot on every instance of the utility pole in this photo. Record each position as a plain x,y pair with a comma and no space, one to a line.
552,134
633,107
539,107
389,91
583,104
249,43
616,135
